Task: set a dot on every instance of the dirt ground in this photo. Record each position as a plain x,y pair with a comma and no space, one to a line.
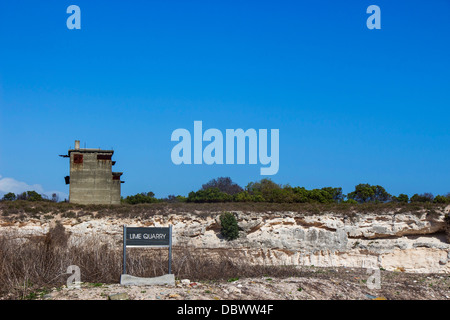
315,284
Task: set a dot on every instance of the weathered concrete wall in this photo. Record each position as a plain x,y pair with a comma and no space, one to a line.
115,191
91,181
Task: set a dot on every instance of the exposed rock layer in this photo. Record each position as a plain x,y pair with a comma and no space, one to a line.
406,242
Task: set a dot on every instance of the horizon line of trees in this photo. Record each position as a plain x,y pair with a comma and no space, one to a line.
30,195
223,189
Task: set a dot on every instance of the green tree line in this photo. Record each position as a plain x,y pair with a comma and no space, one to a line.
223,189
29,196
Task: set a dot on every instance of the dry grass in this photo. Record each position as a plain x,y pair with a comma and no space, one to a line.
20,209
33,265
41,262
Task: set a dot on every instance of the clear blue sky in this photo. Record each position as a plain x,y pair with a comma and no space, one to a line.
353,105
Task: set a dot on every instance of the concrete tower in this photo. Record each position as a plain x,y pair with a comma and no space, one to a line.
91,178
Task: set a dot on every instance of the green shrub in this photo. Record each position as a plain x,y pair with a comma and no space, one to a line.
143,197
365,192
403,198
9,197
424,197
209,195
224,184
441,199
230,229
30,196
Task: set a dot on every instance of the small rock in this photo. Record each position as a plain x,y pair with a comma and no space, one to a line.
118,296
185,281
235,290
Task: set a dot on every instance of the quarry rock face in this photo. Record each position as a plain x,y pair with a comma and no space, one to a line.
447,226
403,242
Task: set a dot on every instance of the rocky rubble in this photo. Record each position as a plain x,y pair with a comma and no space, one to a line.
317,283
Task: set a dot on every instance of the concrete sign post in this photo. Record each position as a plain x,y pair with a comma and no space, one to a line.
142,237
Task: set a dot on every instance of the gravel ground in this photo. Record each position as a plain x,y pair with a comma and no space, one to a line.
316,283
